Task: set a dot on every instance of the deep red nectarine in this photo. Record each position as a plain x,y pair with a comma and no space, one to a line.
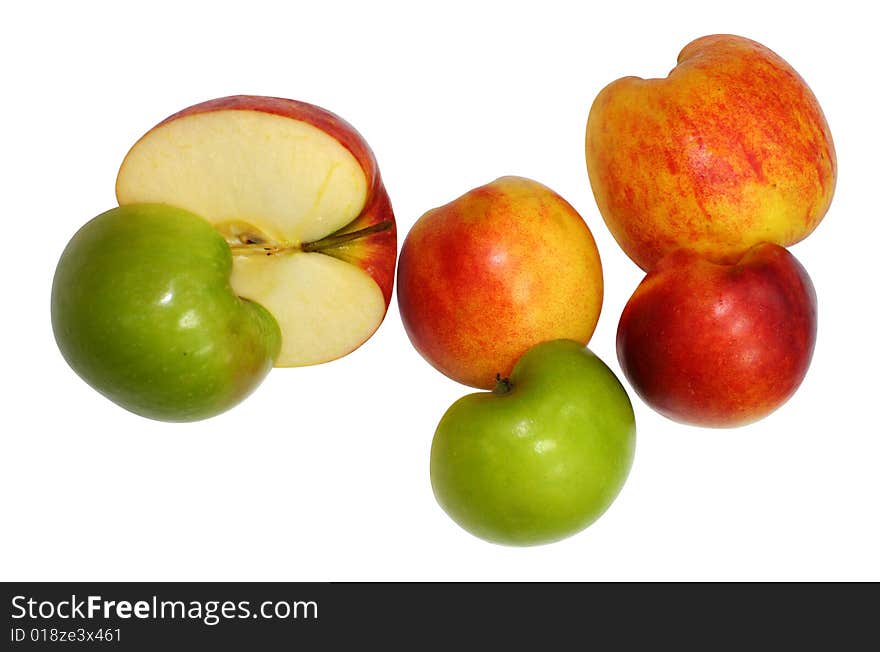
719,345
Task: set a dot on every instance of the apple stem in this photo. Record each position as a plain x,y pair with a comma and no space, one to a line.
259,248
336,240
502,385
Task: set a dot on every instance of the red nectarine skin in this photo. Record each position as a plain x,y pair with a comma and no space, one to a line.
500,269
719,345
730,150
375,254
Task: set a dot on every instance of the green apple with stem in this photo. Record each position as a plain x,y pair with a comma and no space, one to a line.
541,456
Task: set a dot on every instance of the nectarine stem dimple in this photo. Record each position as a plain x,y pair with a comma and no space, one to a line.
332,241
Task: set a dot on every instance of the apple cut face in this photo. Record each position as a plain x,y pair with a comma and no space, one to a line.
324,306
297,195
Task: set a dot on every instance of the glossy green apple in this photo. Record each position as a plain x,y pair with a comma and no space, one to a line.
540,457
143,311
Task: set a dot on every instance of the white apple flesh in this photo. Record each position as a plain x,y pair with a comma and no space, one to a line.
275,187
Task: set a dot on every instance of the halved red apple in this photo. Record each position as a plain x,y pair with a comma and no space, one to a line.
297,194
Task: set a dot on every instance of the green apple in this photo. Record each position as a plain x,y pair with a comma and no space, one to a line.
541,456
143,311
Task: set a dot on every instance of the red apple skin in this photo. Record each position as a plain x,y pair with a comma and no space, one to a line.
502,268
719,345
376,254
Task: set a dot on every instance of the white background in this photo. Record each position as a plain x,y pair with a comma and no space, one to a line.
323,473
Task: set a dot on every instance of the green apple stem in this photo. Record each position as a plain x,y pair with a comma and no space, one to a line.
502,385
332,241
